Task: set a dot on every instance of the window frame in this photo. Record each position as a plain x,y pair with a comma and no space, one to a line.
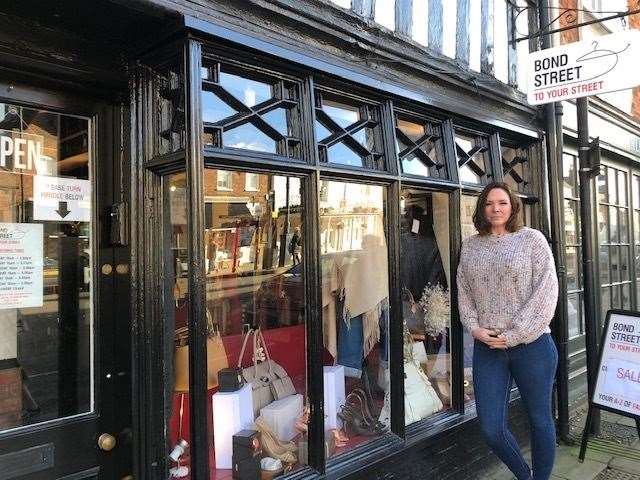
196,157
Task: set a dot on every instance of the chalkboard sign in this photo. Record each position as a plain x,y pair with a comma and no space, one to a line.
617,387
618,378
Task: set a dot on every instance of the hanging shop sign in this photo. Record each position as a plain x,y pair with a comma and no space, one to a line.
618,382
580,69
21,265
20,152
61,199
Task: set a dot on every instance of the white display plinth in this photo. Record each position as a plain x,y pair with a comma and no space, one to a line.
232,412
333,395
282,414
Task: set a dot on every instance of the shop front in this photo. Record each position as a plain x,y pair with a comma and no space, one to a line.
242,261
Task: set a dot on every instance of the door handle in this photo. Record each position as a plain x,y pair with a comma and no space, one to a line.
106,442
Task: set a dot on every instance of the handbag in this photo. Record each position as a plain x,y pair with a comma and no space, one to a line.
269,381
216,356
420,399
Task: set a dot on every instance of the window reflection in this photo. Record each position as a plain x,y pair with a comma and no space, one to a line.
177,401
348,132
467,206
46,323
355,304
258,114
254,241
426,310
472,158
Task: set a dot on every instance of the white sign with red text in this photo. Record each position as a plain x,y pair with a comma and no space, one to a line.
591,67
618,382
61,199
21,265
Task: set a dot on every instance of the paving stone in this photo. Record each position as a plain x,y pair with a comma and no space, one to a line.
626,465
568,467
629,422
591,454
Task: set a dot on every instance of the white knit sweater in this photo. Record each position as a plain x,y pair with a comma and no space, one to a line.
508,283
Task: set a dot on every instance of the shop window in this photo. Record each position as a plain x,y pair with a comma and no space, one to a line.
348,132
516,168
355,303
419,148
177,398
46,265
573,244
256,307
614,236
635,187
426,307
467,206
472,153
249,111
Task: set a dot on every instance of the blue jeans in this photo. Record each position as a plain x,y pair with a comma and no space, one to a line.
533,367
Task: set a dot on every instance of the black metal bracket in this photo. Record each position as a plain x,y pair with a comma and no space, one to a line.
570,15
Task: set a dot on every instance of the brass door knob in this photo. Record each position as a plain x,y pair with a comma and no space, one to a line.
106,442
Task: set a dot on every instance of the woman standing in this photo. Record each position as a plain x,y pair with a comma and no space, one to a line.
507,295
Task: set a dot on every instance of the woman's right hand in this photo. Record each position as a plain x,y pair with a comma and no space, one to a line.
489,337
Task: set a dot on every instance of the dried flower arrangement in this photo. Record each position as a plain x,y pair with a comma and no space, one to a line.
437,309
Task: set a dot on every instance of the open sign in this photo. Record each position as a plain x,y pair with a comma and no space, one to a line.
20,151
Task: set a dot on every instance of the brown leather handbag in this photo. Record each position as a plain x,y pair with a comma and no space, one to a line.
216,356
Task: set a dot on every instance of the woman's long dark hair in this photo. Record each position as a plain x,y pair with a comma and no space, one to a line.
480,220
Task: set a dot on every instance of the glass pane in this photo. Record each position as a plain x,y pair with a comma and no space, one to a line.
473,167
364,136
572,268
46,321
176,320
573,312
414,166
615,264
468,205
468,176
342,154
355,310
256,313
626,296
603,224
604,265
624,264
569,175
605,301
249,92
635,185
603,196
622,188
278,120
321,132
412,130
636,227
248,136
426,310
214,109
616,300
341,113
570,224
612,184
623,219
613,225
